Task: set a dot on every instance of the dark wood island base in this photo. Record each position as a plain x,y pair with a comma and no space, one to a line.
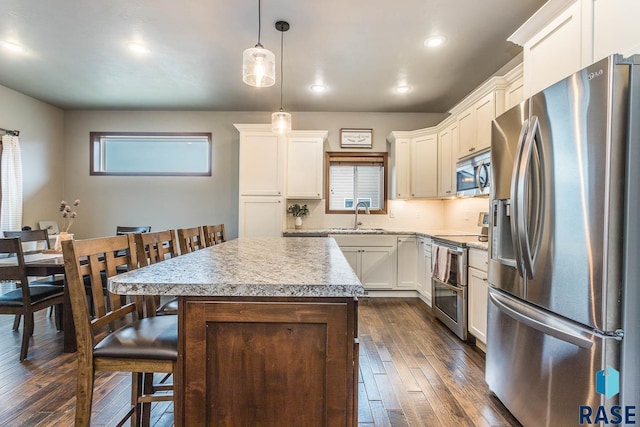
249,361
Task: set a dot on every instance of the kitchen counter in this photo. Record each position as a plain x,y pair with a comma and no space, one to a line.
262,267
324,232
259,320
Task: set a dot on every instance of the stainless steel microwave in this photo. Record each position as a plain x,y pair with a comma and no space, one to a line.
473,175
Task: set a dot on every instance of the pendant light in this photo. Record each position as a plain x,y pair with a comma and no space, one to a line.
281,120
258,63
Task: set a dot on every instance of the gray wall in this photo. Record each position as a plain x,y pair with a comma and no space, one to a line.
42,149
172,202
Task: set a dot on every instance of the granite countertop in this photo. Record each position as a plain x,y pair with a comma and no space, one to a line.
262,267
324,232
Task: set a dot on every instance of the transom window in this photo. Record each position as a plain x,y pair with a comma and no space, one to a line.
133,153
355,178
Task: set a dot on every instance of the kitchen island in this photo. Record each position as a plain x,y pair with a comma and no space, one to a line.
267,331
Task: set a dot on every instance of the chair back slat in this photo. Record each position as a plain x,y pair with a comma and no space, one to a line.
97,259
190,239
214,234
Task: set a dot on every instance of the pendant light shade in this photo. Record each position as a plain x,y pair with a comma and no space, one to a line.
258,67
258,63
281,120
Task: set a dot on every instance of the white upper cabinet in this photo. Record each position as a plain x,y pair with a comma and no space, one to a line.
413,162
262,159
305,160
400,168
447,143
474,125
564,36
554,53
615,27
424,166
514,92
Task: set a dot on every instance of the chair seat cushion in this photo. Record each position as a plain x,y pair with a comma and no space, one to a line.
169,307
38,293
53,281
153,338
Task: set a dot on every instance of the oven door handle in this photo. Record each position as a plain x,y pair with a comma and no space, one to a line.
456,289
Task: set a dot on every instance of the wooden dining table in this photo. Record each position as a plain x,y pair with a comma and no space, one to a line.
47,264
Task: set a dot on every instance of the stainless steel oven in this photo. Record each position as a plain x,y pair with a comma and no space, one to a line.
450,296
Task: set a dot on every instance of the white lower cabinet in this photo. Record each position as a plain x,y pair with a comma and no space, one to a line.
373,259
407,262
260,216
424,268
478,288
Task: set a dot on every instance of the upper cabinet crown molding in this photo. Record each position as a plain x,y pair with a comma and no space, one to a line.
547,13
260,127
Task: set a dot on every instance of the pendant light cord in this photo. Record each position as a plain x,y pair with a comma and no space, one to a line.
281,67
259,22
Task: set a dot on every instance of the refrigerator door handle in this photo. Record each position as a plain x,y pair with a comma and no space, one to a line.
524,243
482,183
515,178
537,319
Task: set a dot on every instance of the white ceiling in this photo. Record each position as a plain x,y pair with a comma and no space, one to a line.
76,54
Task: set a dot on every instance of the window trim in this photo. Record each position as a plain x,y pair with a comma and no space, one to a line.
94,136
355,157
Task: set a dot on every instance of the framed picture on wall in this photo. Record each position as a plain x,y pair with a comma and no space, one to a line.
356,138
50,226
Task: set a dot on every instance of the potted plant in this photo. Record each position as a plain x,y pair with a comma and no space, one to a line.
298,212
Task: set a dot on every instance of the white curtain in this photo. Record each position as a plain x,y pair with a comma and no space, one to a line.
11,179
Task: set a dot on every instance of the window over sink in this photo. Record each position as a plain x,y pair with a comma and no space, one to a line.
352,178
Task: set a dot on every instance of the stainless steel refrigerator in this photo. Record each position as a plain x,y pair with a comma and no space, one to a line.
564,276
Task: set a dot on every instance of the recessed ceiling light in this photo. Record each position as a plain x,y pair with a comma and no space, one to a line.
434,41
138,48
318,88
402,89
12,47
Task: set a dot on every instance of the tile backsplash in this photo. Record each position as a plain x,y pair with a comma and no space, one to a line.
410,215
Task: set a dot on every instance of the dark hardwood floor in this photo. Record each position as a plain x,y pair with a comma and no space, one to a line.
413,372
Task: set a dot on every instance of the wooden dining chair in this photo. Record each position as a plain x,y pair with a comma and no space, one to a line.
41,240
214,234
117,338
27,298
190,239
152,248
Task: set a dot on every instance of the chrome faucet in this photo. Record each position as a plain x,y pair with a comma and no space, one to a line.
366,210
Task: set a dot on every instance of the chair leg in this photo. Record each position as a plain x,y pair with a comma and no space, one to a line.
136,391
58,319
146,407
16,322
27,331
84,395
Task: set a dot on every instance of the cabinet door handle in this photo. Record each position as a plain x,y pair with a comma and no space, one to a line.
448,191
471,149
